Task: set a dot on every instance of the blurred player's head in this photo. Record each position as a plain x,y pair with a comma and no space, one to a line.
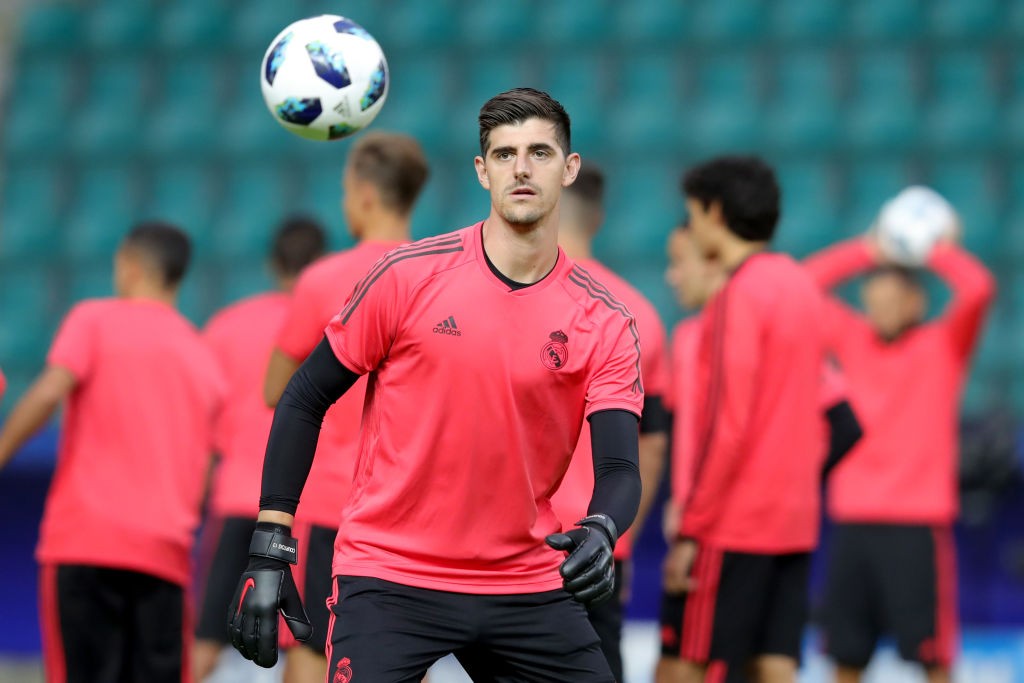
894,300
384,175
731,199
151,261
525,155
692,276
582,211
299,241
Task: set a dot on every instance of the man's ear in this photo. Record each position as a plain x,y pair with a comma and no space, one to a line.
572,169
481,172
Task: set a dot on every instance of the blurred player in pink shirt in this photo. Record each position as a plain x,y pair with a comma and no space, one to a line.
141,393
383,177
582,213
242,337
892,560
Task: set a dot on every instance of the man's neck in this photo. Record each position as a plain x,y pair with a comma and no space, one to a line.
161,295
385,226
522,255
576,246
732,254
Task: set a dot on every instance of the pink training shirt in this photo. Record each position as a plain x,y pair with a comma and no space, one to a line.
573,496
906,393
474,406
242,337
135,441
321,291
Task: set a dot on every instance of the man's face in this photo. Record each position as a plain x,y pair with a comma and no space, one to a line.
525,171
891,304
705,224
693,277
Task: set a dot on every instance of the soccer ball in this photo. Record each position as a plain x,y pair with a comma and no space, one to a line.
324,78
911,223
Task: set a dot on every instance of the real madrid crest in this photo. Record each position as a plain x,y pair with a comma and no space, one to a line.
555,353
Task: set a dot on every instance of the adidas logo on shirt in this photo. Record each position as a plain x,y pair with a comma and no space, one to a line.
448,326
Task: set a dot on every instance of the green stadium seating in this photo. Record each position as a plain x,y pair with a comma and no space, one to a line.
90,280
810,206
320,195
413,24
652,23
803,114
102,211
883,20
583,81
182,194
117,27
254,202
638,126
565,22
970,186
109,122
806,22
482,22
53,28
37,108
734,22
30,203
252,30
964,18
644,204
189,27
868,185
245,279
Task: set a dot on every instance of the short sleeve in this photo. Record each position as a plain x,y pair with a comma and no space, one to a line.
654,358
303,326
74,347
616,382
362,333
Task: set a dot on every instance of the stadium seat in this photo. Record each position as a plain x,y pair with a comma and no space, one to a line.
970,187
583,82
413,24
652,23
102,211
182,194
882,124
189,27
734,22
877,20
30,205
107,124
484,23
194,298
803,113
964,113
187,120
810,206
254,201
38,103
1014,22
320,196
807,22
252,131
90,280
53,28
644,204
565,22
964,18
243,279
116,27
868,185
253,26
637,126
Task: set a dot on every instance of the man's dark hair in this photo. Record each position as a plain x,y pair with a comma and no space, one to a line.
395,164
909,277
298,242
165,246
588,189
519,104
746,189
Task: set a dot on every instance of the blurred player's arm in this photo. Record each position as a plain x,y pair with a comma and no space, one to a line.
279,371
35,408
844,431
973,288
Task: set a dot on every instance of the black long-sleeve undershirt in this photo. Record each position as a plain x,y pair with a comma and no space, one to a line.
322,379
316,385
844,433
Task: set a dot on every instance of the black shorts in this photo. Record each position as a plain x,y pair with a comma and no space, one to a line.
101,624
898,580
388,632
744,605
228,539
313,577
606,618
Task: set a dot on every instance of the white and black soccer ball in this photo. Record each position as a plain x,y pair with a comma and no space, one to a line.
911,223
324,77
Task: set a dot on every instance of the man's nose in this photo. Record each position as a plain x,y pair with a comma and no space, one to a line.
522,167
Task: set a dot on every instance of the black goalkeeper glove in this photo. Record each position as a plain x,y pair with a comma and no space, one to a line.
589,571
265,588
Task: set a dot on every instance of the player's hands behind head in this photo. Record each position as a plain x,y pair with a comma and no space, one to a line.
265,588
589,570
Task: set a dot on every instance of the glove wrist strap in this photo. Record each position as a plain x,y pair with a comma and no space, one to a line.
275,545
604,522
